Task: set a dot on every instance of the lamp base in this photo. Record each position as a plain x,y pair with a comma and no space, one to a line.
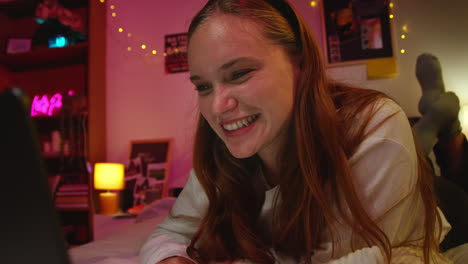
108,203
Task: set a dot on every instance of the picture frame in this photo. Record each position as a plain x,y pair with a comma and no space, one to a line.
147,172
175,50
18,45
355,31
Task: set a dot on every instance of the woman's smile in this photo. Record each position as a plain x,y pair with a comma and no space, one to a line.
240,126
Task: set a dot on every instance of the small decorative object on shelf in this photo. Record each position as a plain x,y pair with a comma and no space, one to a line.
60,27
17,45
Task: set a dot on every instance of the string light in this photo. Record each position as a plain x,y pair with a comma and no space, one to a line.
129,48
313,3
391,16
404,28
391,5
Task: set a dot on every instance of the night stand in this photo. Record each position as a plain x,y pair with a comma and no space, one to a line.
104,225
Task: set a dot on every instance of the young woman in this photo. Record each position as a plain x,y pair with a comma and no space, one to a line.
290,167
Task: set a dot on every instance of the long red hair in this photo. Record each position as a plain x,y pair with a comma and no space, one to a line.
313,168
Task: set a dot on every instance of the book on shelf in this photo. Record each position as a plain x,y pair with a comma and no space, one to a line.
71,193
72,206
73,187
71,199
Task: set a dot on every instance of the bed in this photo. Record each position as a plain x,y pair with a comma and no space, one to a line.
122,247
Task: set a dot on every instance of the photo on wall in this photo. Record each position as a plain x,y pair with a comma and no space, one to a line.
356,30
175,52
146,172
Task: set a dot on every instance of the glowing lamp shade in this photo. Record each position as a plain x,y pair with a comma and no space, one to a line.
108,176
463,117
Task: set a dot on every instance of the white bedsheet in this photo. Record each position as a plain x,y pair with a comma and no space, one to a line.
123,247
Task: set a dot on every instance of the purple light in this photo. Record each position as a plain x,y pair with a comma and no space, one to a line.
41,105
71,93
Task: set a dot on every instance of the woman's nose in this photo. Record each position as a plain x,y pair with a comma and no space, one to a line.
224,101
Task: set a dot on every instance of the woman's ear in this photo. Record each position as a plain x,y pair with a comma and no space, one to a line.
296,70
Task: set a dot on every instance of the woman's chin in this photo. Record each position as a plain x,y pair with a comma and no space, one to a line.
240,153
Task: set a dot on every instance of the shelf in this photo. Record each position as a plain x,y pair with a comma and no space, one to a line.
43,57
23,8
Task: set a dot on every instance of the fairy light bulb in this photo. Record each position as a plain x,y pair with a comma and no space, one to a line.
402,51
404,28
391,5
120,30
114,14
313,3
391,16
143,46
112,7
129,48
154,52
403,36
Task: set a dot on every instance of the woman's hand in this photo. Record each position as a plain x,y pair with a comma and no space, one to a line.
181,260
176,260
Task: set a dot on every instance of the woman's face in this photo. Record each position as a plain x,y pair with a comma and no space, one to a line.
245,85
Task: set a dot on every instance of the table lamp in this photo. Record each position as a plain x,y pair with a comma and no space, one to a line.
108,177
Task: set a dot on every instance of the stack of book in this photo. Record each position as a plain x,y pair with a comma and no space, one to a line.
71,196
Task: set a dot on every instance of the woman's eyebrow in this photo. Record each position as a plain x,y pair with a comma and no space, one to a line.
231,63
227,65
194,78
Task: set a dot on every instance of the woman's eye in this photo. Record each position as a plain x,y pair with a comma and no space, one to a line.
240,74
202,87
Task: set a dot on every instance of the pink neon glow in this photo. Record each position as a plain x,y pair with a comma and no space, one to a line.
71,93
42,105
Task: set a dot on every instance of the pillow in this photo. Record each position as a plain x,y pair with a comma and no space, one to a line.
155,209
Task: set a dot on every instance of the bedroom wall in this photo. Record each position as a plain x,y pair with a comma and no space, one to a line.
144,103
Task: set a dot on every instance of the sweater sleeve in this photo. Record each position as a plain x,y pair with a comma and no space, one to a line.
173,235
385,175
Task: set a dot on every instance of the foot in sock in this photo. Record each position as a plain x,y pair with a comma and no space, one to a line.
448,107
439,120
429,75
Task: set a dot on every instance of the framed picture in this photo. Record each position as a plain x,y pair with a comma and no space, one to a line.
147,171
175,49
355,31
17,45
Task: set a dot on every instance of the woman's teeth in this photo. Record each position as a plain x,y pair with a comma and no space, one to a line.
241,123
